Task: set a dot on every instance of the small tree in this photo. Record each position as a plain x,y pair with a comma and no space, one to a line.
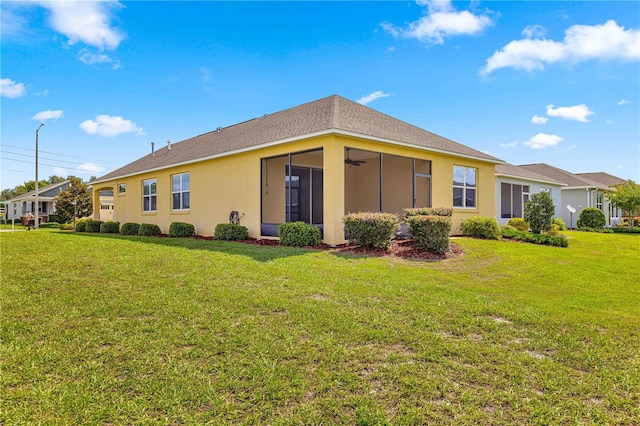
626,197
539,212
78,192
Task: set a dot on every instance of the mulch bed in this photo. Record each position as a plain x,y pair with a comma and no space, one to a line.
400,248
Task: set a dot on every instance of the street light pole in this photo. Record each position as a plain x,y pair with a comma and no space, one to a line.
37,213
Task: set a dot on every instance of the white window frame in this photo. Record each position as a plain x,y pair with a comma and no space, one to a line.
181,191
122,188
152,195
599,199
466,186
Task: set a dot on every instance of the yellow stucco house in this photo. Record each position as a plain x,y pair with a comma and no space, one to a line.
313,163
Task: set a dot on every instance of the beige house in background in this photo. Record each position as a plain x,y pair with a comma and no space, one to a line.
312,163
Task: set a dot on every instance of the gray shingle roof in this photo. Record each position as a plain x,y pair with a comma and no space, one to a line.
602,178
522,172
41,191
333,113
560,175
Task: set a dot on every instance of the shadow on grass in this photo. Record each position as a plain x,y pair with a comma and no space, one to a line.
256,252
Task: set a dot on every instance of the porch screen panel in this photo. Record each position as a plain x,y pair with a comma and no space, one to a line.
517,200
273,189
505,200
397,183
362,182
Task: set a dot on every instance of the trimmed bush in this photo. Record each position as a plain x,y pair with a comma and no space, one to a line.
428,211
598,230
299,234
109,227
66,226
635,230
591,217
430,233
52,225
148,229
539,211
371,229
528,237
230,232
130,228
518,223
181,229
81,226
481,227
93,225
560,223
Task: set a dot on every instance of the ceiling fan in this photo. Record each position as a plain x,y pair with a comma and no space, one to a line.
351,162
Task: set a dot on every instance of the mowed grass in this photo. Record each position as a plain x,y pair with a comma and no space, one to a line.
101,329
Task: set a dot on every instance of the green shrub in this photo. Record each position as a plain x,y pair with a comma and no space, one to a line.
518,223
371,229
561,225
428,211
50,225
528,237
109,227
635,230
539,211
93,225
148,229
299,234
430,233
81,226
481,227
591,217
230,232
130,228
181,229
598,230
66,226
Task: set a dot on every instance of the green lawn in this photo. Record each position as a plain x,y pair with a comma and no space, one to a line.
101,329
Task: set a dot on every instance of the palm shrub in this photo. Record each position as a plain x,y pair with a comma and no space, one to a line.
371,229
148,229
539,211
299,234
481,227
109,227
93,225
592,217
130,228
230,232
181,229
430,232
518,223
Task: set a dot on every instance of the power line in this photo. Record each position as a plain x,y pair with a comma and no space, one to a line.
52,153
30,162
45,158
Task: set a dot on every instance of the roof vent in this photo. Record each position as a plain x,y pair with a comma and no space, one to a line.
218,129
265,116
153,150
168,145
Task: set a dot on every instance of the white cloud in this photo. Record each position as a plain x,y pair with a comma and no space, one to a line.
372,97
89,168
11,89
45,92
59,171
88,22
542,141
534,31
536,119
47,115
576,113
91,58
108,125
623,102
608,41
441,21
509,144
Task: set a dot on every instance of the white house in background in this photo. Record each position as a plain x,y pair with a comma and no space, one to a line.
25,203
581,191
106,205
514,186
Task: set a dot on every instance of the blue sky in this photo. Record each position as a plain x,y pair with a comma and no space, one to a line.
528,82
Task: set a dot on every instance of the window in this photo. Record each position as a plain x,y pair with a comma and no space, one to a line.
599,199
547,190
180,192
513,197
122,188
464,187
149,195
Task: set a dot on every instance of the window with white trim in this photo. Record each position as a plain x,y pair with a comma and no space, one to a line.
180,191
149,202
464,187
513,197
599,200
122,188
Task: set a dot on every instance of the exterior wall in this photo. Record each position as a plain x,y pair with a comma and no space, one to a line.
579,198
218,186
534,188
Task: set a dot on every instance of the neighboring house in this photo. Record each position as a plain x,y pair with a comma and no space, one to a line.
106,205
311,163
25,203
514,186
581,191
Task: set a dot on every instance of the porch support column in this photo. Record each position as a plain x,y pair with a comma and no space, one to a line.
95,197
333,165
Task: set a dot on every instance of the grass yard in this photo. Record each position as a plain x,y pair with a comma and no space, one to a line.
101,329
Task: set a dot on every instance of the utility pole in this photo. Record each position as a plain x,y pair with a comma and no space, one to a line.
37,212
